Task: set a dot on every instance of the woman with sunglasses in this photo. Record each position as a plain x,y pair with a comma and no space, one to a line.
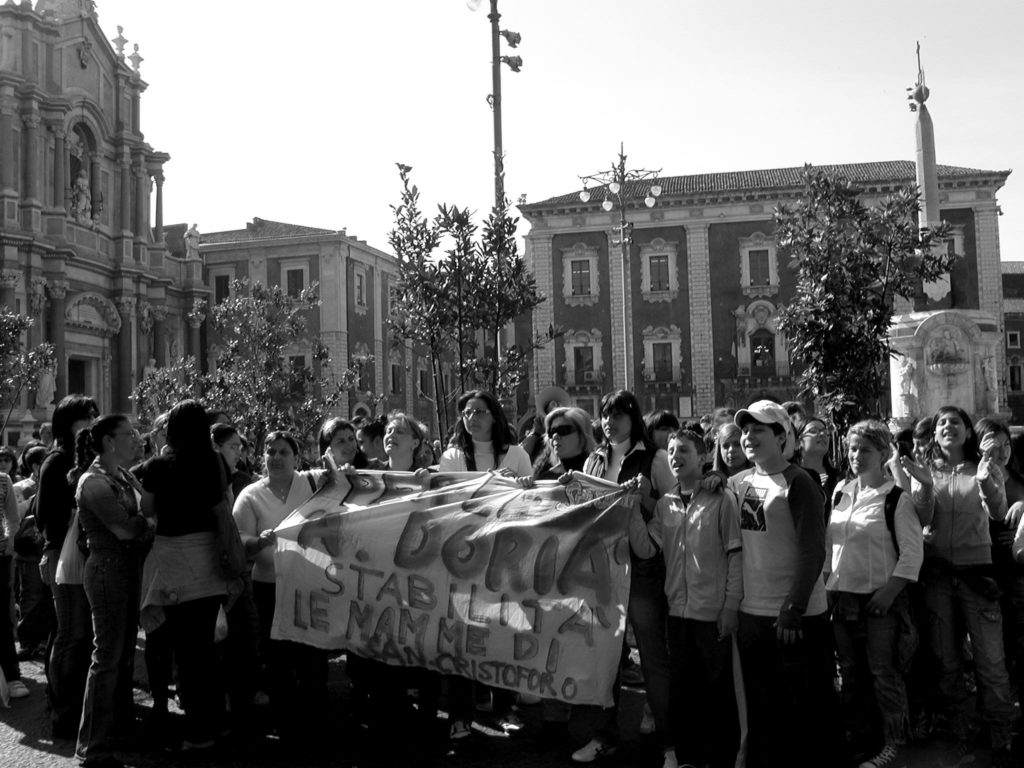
627,454
482,441
814,441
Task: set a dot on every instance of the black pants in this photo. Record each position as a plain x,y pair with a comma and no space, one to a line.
702,702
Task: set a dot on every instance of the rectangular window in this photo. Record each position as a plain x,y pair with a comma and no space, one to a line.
659,272
396,378
360,289
221,288
424,383
294,281
580,271
662,354
759,271
583,364
1013,339
1015,377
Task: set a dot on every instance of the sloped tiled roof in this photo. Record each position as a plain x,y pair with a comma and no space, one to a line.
262,229
893,171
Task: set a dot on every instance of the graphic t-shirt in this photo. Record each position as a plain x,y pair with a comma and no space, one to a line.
783,528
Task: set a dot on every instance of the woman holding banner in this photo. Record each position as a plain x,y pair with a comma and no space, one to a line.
627,454
297,673
483,442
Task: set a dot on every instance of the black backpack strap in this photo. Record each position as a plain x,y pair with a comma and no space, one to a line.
892,498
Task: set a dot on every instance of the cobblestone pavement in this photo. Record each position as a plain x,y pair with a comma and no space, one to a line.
25,741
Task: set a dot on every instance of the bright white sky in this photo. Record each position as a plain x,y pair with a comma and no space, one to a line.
299,111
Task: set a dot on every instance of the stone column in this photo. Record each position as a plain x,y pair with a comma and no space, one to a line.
96,186
9,279
702,341
126,195
158,230
7,112
159,336
139,224
59,182
58,290
30,158
126,308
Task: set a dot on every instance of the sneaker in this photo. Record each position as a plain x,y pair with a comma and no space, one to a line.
890,757
593,750
647,721
670,759
17,689
511,722
459,730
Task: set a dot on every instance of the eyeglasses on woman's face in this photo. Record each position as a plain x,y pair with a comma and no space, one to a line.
469,413
562,430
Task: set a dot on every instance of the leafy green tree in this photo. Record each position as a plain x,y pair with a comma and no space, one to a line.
851,261
20,368
446,301
162,388
258,379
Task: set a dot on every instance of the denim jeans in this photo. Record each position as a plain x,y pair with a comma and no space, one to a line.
112,585
791,701
704,719
35,601
190,630
873,684
954,607
71,650
8,653
648,613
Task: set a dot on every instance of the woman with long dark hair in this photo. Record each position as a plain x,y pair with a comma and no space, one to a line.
109,515
627,454
994,439
338,436
966,491
483,441
183,585
71,644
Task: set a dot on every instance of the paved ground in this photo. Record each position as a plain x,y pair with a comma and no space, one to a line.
25,741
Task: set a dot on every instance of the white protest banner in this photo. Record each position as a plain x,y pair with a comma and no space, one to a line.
520,589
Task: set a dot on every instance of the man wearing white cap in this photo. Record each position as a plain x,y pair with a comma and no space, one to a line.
784,631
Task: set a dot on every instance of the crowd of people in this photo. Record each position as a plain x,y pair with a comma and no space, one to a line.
797,596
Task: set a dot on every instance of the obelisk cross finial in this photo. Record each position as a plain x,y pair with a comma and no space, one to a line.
919,93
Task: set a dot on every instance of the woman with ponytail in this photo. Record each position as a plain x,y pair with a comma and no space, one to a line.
108,512
70,646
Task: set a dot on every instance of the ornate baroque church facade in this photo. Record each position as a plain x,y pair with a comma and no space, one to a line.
81,209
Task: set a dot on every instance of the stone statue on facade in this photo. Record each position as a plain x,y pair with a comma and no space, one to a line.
192,243
46,387
81,197
149,369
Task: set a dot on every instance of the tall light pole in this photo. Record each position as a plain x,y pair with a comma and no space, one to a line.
514,63
622,185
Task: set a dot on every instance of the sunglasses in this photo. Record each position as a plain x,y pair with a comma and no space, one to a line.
562,430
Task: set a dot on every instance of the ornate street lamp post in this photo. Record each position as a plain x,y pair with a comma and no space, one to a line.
622,185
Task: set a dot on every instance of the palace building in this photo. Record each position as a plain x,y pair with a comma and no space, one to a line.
704,283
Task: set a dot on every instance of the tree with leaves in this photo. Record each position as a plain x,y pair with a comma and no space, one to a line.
20,367
851,262
445,300
259,333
